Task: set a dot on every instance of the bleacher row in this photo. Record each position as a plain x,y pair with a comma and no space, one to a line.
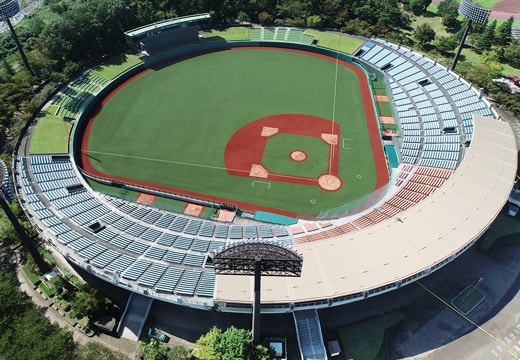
434,105
281,34
74,97
158,250
416,182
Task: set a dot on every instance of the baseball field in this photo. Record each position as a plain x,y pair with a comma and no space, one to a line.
268,129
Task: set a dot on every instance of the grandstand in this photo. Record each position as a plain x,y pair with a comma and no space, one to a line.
281,34
458,165
161,35
74,97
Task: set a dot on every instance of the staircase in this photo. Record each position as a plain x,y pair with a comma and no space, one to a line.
308,330
134,316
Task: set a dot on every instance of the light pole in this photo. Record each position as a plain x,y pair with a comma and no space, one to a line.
472,12
257,258
9,9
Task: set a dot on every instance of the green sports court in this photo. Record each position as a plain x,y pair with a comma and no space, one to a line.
196,126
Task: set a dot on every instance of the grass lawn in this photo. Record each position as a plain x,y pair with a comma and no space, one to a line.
229,34
115,65
233,88
476,59
385,109
434,21
365,340
345,43
31,275
46,290
488,4
48,257
51,135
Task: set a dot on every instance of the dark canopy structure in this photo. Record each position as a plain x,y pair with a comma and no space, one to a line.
240,259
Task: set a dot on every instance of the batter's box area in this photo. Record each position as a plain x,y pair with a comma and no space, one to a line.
293,148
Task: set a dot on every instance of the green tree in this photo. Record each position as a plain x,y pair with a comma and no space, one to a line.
95,351
448,10
446,44
179,352
231,344
152,350
243,17
205,349
512,54
487,38
25,333
314,21
234,343
503,33
418,7
424,34
265,18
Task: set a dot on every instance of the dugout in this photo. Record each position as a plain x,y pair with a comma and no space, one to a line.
162,35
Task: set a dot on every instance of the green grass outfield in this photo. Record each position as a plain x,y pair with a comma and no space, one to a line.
169,127
51,135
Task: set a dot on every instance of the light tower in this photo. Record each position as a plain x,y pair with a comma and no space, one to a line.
472,12
8,9
257,258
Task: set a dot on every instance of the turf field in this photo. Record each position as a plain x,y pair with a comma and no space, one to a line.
169,128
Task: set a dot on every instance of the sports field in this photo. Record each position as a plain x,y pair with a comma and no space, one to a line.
265,129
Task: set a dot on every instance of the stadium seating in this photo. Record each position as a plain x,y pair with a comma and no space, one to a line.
148,247
281,34
75,96
428,99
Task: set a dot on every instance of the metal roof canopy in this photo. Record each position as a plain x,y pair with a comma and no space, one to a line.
240,259
166,24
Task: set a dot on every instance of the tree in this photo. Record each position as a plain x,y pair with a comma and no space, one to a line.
234,343
204,349
152,350
503,33
448,10
418,7
25,333
179,352
231,344
512,54
243,17
265,18
486,39
95,351
446,44
424,34
314,21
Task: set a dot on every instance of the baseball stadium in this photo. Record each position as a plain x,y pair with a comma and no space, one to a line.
378,168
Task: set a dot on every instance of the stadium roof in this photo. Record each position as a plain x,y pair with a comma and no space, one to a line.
438,228
166,24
